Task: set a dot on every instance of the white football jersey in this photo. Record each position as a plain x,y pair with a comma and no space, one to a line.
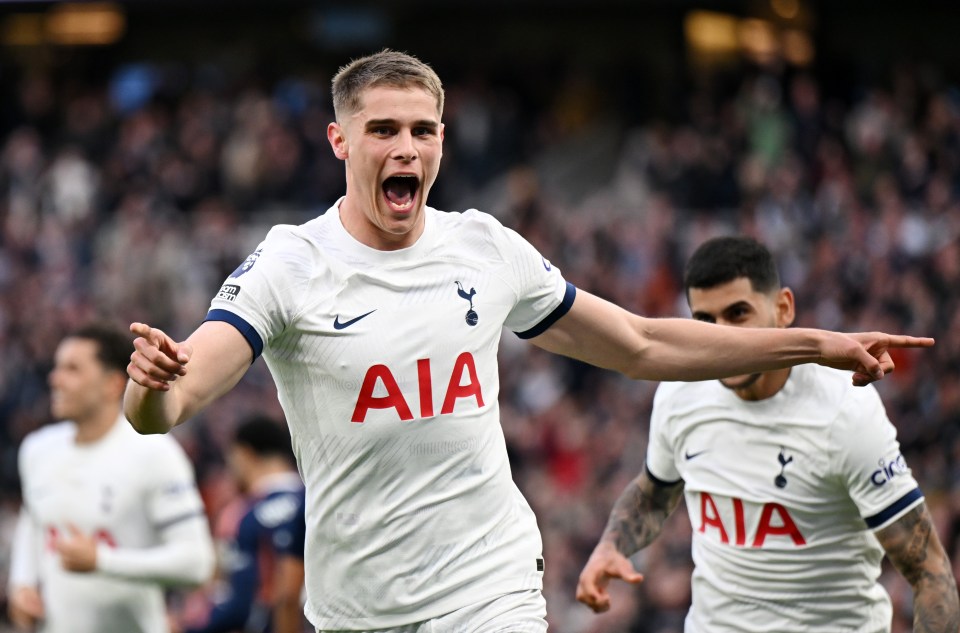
783,495
124,489
386,367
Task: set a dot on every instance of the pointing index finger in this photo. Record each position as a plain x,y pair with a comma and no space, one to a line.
902,340
140,329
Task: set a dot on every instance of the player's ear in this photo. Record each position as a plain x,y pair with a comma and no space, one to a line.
338,141
786,307
118,383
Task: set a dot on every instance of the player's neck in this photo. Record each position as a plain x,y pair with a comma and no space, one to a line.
96,425
357,223
767,386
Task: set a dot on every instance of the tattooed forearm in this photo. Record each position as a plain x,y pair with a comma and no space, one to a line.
915,550
639,513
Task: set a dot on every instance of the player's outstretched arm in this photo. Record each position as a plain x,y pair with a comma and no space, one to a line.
635,521
603,334
912,544
171,381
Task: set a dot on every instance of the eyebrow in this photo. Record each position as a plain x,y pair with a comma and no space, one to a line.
427,123
737,304
700,314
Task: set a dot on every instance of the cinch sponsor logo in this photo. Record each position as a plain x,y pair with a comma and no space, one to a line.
889,470
229,292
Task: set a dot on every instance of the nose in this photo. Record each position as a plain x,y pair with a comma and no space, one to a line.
404,148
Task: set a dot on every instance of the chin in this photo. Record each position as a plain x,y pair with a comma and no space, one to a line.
401,224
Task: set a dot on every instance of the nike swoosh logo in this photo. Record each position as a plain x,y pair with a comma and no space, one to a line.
688,455
337,325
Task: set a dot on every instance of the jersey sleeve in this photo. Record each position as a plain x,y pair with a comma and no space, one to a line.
25,552
184,555
661,462
263,294
173,497
869,460
25,548
543,296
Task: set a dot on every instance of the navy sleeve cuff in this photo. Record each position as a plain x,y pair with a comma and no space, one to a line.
552,318
892,510
660,482
247,330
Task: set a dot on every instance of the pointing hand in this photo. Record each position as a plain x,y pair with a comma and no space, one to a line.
157,360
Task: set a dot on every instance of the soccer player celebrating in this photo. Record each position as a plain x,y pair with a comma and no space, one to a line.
380,322
262,562
794,482
109,518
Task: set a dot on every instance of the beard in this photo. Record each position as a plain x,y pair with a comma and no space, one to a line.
740,382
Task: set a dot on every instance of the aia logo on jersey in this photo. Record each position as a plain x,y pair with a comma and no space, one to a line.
889,470
463,383
729,524
247,263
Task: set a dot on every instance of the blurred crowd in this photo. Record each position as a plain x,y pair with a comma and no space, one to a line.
131,199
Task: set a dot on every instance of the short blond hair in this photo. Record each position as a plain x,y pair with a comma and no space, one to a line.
386,68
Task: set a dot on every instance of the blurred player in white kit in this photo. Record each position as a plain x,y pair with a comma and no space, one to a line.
794,483
109,518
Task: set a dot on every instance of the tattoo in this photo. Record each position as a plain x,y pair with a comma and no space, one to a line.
639,513
915,550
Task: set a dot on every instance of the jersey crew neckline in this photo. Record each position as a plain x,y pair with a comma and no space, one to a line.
412,253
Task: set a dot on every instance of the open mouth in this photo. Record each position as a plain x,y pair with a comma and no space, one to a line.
401,191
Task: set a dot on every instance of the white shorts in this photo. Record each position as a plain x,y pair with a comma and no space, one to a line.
518,612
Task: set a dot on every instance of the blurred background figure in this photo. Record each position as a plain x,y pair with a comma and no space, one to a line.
260,540
99,536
